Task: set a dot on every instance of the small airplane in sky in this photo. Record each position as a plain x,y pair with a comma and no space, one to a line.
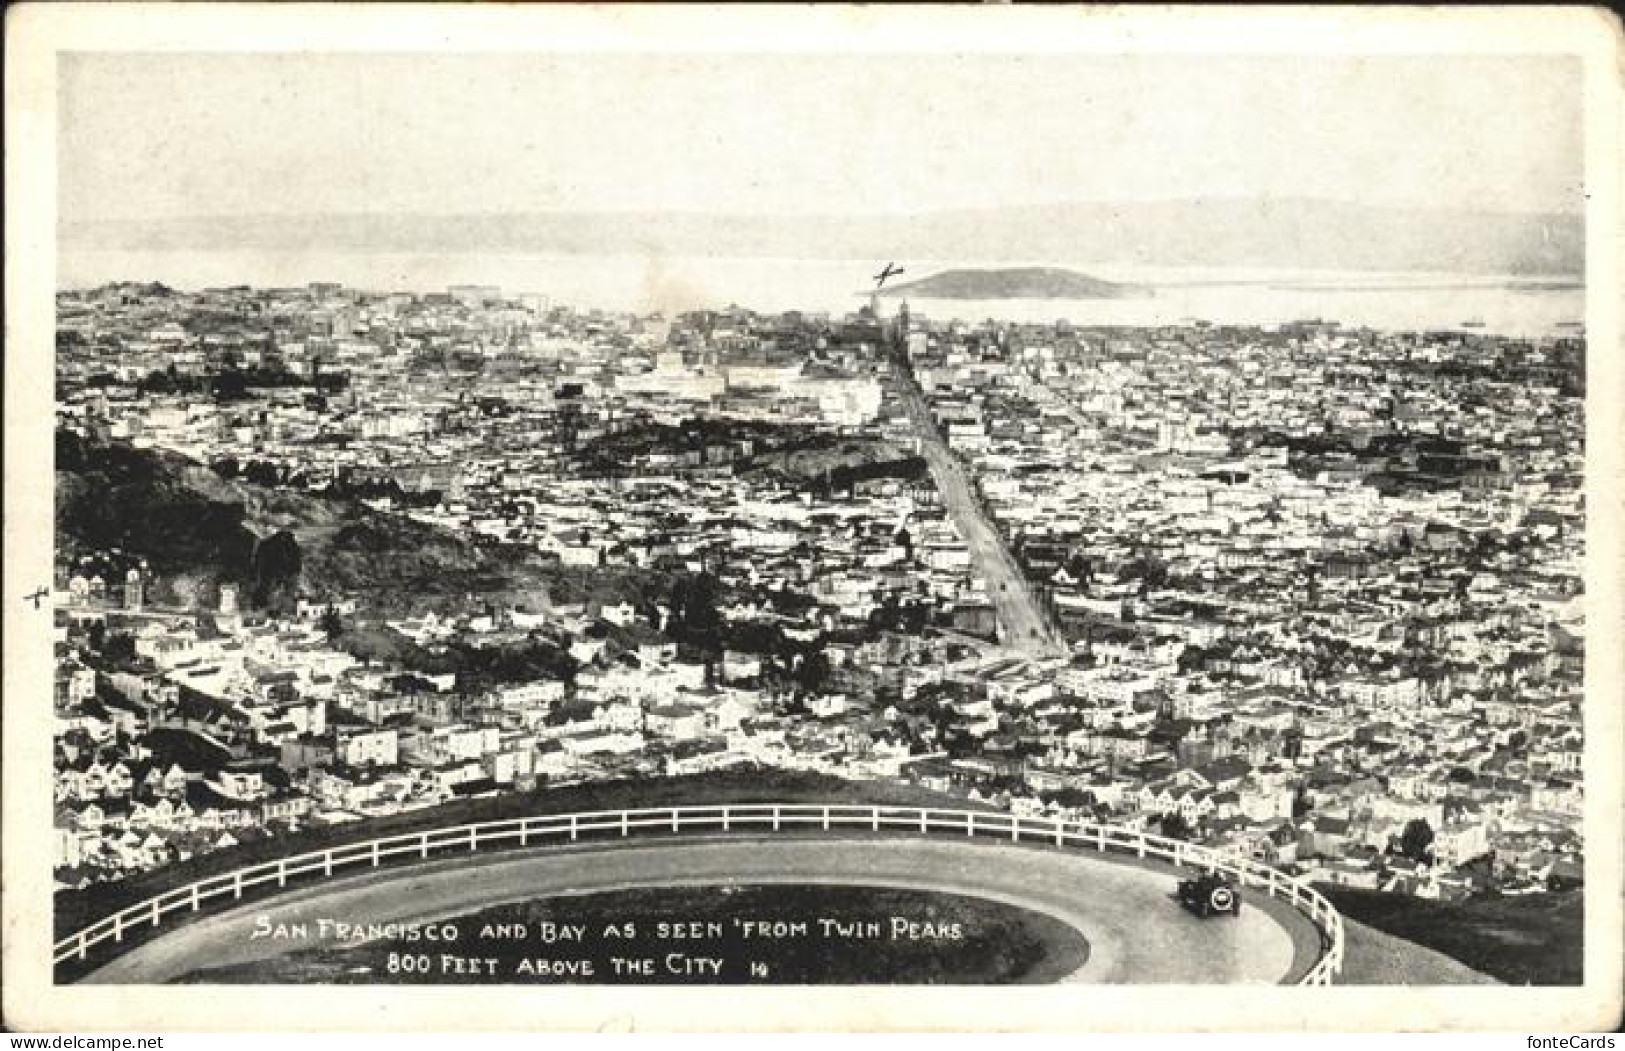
891,270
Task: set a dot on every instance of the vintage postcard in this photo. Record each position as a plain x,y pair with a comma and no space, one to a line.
811,518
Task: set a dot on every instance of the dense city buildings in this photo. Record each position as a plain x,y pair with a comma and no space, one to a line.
1304,592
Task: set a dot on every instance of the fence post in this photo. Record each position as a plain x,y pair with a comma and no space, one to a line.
923,828
195,898
524,831
826,819
676,819
423,845
1140,843
375,853
327,863
874,818
1060,833
118,926
970,823
573,828
775,818
83,948
724,819
1100,838
473,838
155,912
282,873
237,884
625,830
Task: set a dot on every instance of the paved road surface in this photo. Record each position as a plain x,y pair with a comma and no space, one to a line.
1136,932
1023,621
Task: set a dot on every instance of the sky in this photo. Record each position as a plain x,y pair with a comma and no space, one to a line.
144,136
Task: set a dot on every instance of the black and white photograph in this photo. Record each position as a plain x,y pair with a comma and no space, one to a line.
718,505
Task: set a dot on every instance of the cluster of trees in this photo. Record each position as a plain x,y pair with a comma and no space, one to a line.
479,668
117,646
233,383
169,381
257,472
346,485
842,477
906,618
696,621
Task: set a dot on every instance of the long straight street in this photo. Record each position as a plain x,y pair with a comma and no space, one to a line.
1023,623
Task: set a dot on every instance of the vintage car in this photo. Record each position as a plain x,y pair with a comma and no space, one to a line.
1210,893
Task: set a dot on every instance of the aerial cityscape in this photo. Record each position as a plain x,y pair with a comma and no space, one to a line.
1127,527
1305,592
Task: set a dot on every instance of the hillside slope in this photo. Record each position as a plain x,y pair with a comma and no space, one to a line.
197,531
1375,958
1534,939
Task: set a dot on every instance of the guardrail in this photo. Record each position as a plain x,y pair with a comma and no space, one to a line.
746,817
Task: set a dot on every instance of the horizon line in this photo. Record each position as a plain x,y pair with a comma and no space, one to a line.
1389,206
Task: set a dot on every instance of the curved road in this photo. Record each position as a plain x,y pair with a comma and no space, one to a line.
1136,932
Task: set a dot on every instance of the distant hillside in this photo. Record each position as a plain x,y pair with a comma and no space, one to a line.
1293,233
1535,939
197,530
1031,282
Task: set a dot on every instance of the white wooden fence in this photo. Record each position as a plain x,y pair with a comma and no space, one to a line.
745,818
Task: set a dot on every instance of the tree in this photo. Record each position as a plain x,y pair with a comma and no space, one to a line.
260,472
696,617
1416,840
119,646
1174,826
277,563
230,386
331,623
813,671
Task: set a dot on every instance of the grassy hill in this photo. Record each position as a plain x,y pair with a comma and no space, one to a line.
1374,958
1533,939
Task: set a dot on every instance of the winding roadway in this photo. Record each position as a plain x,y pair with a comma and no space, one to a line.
1136,932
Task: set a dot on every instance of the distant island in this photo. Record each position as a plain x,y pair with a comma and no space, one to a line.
1029,282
